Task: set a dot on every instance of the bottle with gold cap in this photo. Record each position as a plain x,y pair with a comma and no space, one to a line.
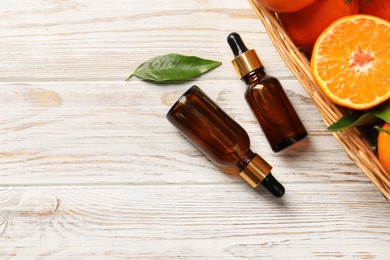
220,138
266,98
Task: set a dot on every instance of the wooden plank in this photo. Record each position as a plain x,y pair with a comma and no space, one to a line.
102,133
83,40
90,167
193,221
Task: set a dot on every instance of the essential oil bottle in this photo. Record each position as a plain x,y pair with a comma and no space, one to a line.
220,138
266,98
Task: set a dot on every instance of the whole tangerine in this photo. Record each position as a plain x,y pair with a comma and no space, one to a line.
378,8
384,147
284,6
305,25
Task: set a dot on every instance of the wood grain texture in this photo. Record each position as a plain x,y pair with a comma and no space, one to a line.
105,40
192,221
91,168
57,133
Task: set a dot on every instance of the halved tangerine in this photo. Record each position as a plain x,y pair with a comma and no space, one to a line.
351,61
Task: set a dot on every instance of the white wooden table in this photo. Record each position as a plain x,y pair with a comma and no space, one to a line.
90,167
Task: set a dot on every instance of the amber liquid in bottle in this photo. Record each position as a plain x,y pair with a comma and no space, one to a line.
273,110
220,138
266,98
204,124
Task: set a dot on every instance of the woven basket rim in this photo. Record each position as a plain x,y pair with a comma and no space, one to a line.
351,139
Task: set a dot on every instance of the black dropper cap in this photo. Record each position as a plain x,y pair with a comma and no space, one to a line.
273,186
245,60
236,44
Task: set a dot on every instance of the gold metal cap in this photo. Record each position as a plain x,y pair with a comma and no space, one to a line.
246,62
255,172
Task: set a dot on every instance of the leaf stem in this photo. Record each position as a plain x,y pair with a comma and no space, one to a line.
380,129
130,77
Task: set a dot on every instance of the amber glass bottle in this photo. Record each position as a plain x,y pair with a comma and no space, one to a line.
266,98
220,138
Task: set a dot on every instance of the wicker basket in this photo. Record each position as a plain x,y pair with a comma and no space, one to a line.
352,141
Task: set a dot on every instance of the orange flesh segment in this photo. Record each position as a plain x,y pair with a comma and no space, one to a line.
351,61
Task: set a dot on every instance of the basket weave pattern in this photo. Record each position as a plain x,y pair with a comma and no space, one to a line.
351,140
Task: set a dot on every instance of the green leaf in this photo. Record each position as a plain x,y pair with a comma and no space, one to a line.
383,111
352,121
172,67
380,129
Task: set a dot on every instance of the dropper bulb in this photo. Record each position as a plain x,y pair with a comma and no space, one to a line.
273,186
236,44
